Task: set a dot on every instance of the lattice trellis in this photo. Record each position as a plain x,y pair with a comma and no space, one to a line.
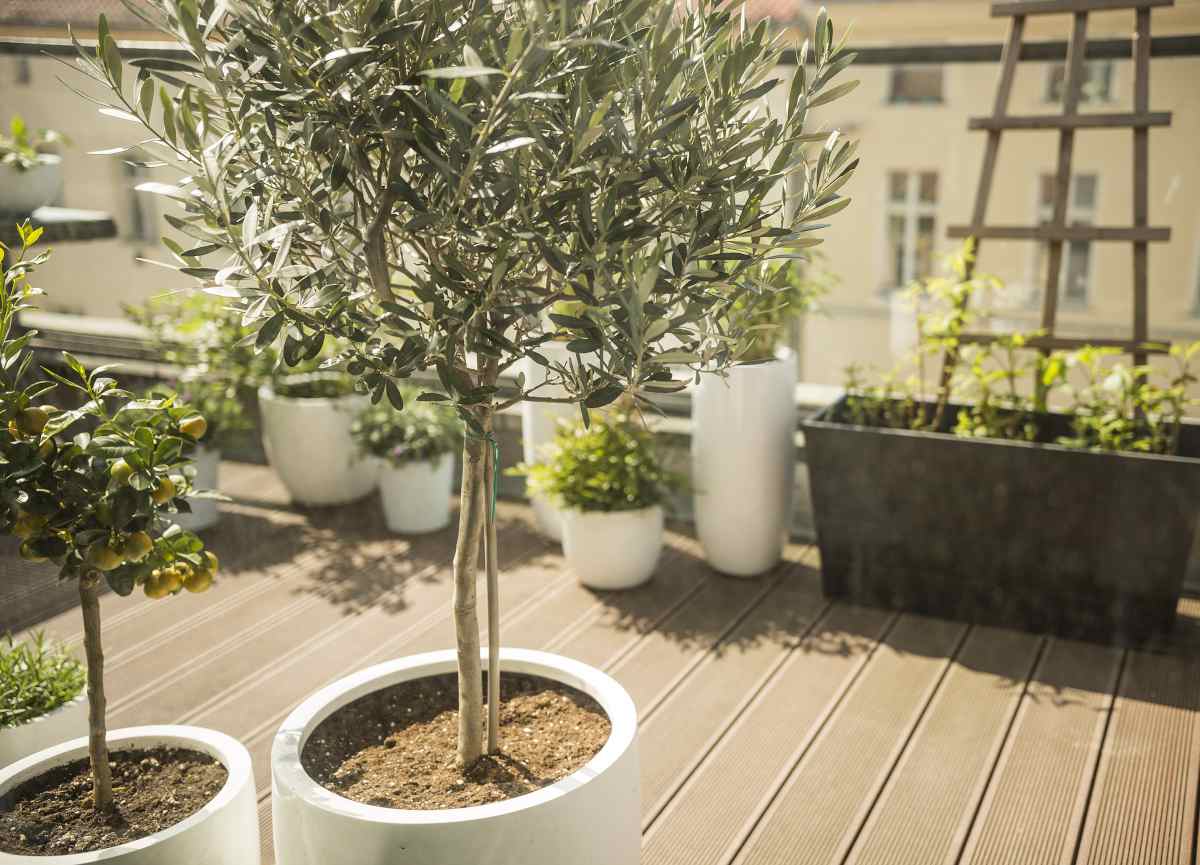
1056,232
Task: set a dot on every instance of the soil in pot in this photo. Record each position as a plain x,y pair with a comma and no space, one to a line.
395,748
153,789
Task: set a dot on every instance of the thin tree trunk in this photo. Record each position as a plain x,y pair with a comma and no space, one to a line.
97,729
466,619
493,599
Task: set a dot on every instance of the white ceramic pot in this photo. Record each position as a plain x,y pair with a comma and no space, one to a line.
743,464
223,832
591,817
613,549
308,444
416,495
538,424
204,511
25,191
58,725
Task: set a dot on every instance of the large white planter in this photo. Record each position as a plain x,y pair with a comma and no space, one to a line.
538,424
308,444
58,725
591,817
25,191
416,495
613,549
204,511
223,832
743,464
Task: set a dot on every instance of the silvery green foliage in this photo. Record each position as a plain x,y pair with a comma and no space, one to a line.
449,184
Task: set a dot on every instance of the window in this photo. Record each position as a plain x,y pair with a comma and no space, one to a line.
915,84
1075,272
1097,82
142,218
911,209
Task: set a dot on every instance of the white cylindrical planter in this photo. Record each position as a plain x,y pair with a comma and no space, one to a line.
25,191
416,495
204,511
613,549
66,722
309,445
743,464
223,832
539,421
591,817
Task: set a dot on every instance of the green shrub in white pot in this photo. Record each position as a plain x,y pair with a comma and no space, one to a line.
41,697
424,180
610,484
415,452
30,177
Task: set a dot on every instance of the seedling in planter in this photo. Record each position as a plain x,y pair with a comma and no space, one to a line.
422,432
22,148
37,676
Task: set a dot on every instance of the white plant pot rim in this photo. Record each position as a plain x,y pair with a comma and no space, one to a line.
267,391
227,750
632,512
42,159
290,740
72,703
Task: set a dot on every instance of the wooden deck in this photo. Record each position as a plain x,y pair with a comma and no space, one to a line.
776,728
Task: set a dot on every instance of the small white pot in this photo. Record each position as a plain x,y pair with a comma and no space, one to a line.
743,464
204,511
223,832
416,495
539,421
613,549
25,191
591,817
308,444
58,725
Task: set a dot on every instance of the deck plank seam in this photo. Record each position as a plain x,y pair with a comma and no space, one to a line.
1098,744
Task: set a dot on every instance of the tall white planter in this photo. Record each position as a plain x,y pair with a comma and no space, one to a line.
25,191
538,424
204,511
58,725
309,445
743,464
416,495
223,832
613,549
591,817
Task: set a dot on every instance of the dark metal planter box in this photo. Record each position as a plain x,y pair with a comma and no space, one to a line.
1034,536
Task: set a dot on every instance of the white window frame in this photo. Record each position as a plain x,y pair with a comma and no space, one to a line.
910,210
1048,84
890,96
1043,213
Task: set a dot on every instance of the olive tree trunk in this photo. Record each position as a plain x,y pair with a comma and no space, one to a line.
471,516
97,729
492,566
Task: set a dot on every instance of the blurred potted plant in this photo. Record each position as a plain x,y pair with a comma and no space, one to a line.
610,484
91,489
41,696
744,429
30,175
426,192
415,452
1055,491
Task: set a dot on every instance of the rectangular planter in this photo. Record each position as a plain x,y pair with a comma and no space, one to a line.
1027,535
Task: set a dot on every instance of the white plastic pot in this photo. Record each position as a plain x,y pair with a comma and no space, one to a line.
223,832
416,495
743,464
204,511
539,421
591,817
25,191
308,444
613,549
58,725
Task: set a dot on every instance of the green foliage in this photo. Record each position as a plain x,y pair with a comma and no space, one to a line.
36,677
426,179
90,488
789,289
314,386
423,431
22,147
611,465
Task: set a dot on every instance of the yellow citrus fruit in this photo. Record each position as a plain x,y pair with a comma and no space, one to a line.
46,449
27,525
121,471
164,492
28,554
153,587
172,579
102,557
32,420
194,425
211,563
137,546
199,581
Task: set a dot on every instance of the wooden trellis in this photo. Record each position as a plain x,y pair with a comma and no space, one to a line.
1056,232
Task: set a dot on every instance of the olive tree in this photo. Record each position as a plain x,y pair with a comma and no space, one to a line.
449,184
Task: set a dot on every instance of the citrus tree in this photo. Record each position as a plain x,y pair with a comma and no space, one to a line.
430,180
90,488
